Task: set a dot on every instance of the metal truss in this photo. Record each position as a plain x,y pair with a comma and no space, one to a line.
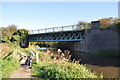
56,36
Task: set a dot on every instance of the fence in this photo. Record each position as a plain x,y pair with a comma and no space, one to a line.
56,29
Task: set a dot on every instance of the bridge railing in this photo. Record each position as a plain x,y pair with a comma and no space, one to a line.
57,29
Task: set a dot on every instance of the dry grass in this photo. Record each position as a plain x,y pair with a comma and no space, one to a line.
59,66
4,49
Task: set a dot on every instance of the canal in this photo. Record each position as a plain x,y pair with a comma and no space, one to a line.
108,66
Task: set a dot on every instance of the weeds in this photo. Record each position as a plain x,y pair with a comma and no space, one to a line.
8,66
52,66
9,59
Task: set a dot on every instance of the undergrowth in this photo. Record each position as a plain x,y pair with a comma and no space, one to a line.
7,66
49,68
62,70
9,59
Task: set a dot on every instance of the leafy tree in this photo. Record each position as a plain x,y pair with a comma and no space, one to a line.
107,22
7,32
104,22
83,25
19,35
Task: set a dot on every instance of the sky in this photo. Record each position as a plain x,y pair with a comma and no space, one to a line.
40,15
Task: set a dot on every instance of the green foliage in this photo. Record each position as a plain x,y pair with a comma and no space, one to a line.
83,25
19,35
11,34
104,23
108,22
5,39
115,53
27,51
7,32
8,66
16,37
62,70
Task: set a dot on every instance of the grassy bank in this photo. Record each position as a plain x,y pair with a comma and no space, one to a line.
8,66
60,68
9,58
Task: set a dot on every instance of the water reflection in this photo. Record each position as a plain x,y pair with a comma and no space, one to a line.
44,49
109,66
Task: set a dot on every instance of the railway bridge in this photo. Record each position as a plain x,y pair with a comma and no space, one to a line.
64,33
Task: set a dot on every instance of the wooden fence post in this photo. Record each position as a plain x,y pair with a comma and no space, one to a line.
37,57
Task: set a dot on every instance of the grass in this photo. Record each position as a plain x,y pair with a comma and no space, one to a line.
62,70
9,59
5,50
8,66
26,51
49,68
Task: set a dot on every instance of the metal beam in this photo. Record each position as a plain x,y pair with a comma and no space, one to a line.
57,36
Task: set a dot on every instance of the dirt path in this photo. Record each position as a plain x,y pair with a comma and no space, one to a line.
23,72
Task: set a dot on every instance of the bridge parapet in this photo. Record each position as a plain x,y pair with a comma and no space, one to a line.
58,29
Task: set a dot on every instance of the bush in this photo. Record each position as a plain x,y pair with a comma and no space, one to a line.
60,69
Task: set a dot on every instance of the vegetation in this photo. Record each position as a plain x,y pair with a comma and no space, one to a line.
7,32
104,23
19,35
83,25
62,70
60,67
48,66
9,60
108,22
11,34
8,66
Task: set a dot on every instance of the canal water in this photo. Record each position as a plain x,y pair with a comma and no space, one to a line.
108,66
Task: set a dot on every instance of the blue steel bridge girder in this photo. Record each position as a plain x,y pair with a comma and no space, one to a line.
57,36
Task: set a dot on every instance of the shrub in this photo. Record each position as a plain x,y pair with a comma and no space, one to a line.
59,69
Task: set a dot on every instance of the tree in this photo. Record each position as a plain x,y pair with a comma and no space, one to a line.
83,25
7,32
107,22
19,35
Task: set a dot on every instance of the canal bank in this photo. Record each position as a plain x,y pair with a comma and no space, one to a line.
109,66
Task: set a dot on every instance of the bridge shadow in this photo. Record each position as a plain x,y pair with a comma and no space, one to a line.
88,58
